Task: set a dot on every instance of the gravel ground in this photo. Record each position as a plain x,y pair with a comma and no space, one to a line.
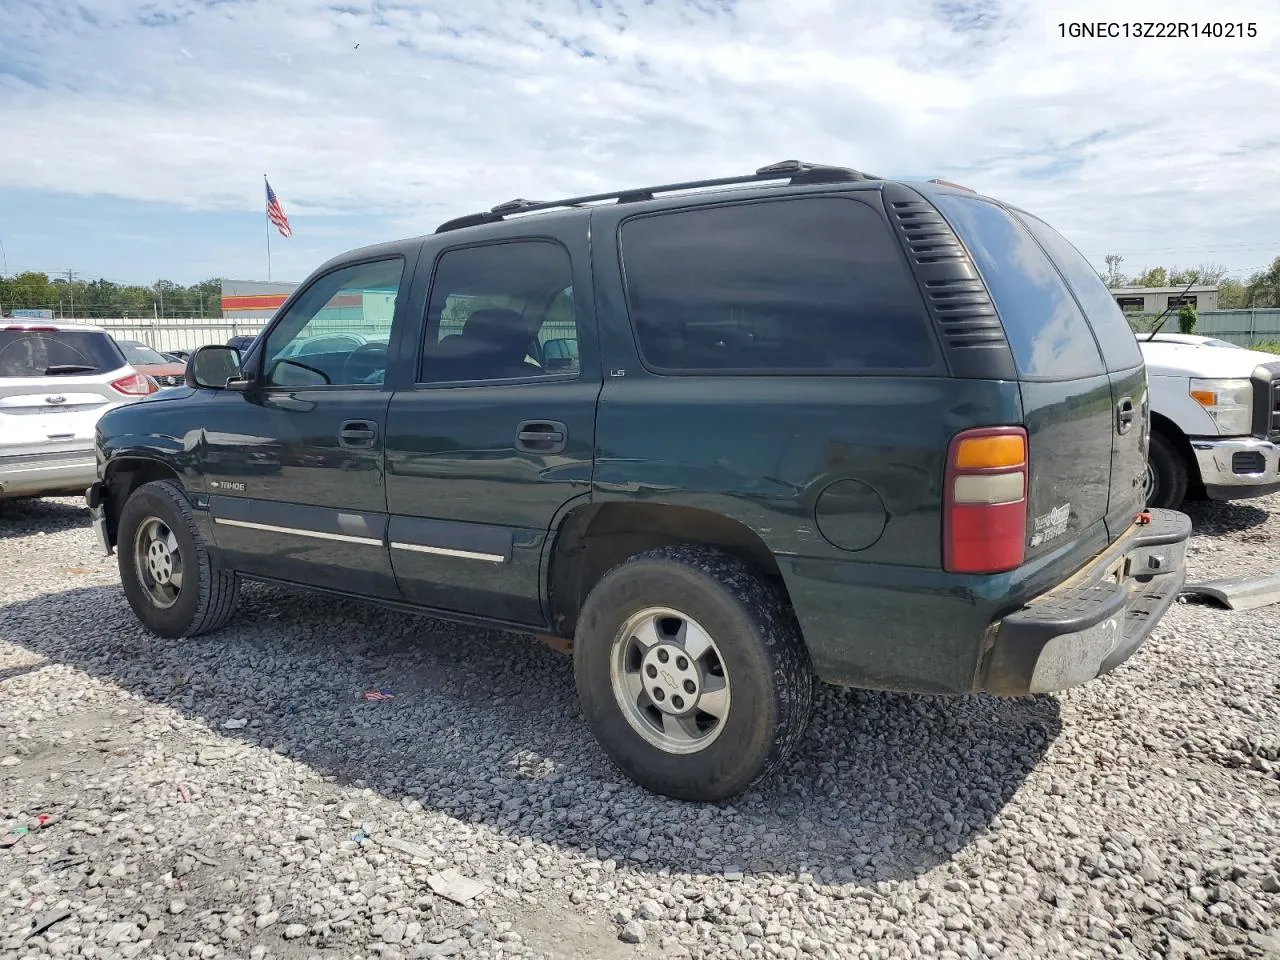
236,795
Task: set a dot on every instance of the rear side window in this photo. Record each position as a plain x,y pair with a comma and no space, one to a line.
813,285
1047,332
503,311
1119,345
31,353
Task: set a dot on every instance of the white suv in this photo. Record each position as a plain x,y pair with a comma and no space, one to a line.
56,380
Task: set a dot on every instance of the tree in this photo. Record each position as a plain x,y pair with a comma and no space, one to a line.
1231,294
1113,277
1209,275
1155,277
1263,289
1187,318
103,298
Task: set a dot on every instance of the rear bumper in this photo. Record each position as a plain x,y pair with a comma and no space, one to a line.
43,474
1235,468
1096,620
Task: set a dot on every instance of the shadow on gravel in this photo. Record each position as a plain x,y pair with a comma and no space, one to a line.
27,516
484,727
1211,517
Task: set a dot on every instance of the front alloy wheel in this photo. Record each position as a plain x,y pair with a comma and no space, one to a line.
157,561
173,584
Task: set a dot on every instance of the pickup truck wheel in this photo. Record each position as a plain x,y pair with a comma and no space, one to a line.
169,579
1167,478
692,673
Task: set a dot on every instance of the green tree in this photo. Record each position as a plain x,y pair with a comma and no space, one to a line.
1113,277
1231,294
1155,277
1263,288
1187,318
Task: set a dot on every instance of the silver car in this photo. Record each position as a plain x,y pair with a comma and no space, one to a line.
56,380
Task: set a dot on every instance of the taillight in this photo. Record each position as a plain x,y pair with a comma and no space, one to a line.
985,519
29,328
134,385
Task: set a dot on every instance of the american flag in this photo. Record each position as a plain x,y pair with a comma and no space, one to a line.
275,213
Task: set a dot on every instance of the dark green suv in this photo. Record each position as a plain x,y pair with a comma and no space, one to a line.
730,437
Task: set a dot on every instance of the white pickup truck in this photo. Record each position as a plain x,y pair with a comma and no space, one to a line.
1215,419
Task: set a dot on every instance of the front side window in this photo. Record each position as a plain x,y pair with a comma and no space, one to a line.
503,311
811,285
336,333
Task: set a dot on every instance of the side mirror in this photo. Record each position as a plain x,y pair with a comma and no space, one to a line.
214,367
559,354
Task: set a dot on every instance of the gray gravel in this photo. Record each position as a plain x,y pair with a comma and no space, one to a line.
1136,817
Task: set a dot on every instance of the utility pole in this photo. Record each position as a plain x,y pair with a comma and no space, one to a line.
71,290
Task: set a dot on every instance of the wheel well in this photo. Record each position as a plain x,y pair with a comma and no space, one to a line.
594,539
1178,440
126,475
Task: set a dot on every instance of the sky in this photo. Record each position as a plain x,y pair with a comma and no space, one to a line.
134,136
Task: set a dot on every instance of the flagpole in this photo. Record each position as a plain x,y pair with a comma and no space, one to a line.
268,221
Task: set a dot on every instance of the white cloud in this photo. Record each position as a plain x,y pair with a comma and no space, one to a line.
1138,146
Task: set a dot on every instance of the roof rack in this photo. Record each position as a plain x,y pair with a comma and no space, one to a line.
795,171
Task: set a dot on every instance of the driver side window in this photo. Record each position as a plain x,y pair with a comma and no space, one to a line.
337,332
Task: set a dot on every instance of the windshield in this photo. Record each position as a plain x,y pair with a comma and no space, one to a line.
45,353
140,353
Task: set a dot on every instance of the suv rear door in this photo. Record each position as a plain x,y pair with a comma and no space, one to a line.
54,385
1066,393
491,430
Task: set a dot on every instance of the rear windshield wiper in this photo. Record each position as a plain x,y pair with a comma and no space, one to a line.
68,368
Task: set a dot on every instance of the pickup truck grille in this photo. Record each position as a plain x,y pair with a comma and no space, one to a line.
1266,402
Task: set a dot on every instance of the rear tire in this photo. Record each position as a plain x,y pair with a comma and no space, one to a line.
172,583
692,673
1168,478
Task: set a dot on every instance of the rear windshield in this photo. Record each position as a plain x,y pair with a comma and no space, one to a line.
1115,336
1047,332
32,353
140,353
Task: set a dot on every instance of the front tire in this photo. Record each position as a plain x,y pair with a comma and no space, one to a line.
1167,477
692,673
170,580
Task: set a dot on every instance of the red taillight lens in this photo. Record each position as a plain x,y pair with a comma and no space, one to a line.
134,385
985,517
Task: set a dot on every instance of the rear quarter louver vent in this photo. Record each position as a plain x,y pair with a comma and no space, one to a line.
957,299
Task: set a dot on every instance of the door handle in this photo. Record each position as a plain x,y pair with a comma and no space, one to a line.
541,436
1124,415
357,433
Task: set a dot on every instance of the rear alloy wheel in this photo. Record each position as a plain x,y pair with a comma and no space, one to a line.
669,679
171,581
692,673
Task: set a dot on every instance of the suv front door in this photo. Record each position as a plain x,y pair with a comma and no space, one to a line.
293,466
491,430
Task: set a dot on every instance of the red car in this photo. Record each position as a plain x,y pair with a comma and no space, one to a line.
165,371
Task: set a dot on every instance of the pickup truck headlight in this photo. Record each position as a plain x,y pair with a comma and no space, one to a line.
1228,402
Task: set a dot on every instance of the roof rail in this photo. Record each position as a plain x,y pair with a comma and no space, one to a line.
795,171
